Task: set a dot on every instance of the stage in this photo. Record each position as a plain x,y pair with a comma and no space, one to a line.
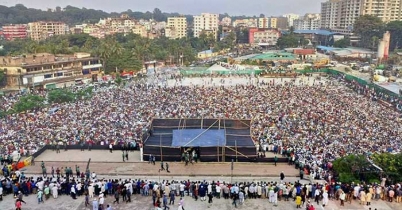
214,140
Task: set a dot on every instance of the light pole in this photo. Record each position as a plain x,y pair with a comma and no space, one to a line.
19,79
231,176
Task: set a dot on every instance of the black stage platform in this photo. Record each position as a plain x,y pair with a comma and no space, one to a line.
215,140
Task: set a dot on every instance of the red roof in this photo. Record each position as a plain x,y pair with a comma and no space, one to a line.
304,51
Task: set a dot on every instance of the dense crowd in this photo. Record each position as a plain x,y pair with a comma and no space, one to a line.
93,190
315,123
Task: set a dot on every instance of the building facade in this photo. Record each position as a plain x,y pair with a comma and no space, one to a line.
47,71
263,37
308,22
178,25
329,14
44,29
387,10
263,22
342,14
206,22
290,18
18,31
226,21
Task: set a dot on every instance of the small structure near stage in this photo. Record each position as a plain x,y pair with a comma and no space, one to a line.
214,140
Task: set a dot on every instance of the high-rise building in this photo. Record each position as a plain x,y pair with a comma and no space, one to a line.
343,13
206,23
387,10
308,22
178,25
18,31
43,29
349,12
291,18
329,14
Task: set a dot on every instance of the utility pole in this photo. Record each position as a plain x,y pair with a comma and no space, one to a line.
231,168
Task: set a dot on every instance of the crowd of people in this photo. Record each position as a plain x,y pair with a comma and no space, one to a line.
317,123
314,124
162,194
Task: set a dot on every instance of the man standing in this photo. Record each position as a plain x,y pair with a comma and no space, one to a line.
40,196
95,204
111,147
282,175
165,200
77,171
116,197
167,167
122,155
162,168
275,160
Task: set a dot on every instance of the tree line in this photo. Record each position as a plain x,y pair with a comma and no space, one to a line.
369,168
122,51
19,14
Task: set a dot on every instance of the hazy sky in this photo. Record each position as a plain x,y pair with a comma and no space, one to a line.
232,7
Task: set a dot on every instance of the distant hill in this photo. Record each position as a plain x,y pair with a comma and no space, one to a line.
19,14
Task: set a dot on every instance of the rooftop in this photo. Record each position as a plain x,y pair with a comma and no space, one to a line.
318,32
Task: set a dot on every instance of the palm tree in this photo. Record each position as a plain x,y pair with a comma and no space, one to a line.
108,47
32,47
142,49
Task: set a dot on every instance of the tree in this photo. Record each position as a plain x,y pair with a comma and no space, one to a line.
368,26
288,40
391,164
61,96
123,62
108,47
395,28
28,102
342,43
2,78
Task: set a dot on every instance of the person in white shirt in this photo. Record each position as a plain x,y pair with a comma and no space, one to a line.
218,191
101,201
181,187
317,196
73,192
324,198
55,191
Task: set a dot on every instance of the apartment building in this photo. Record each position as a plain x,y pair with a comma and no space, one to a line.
329,14
340,14
263,22
248,23
387,10
48,71
343,13
350,10
18,31
177,27
226,21
140,30
290,18
308,22
206,22
273,22
43,29
263,37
